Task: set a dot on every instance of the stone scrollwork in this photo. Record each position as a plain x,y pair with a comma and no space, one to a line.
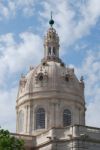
41,77
22,83
67,77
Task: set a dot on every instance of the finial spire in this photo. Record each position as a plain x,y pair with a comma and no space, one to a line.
51,22
51,15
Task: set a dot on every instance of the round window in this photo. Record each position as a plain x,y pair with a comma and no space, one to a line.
41,77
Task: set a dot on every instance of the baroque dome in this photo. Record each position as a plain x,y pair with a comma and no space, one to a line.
51,77
50,94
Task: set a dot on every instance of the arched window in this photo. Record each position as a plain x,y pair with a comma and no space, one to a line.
49,51
54,51
20,121
66,117
40,118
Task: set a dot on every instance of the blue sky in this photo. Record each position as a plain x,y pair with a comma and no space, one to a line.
23,24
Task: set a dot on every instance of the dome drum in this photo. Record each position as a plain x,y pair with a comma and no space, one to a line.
53,109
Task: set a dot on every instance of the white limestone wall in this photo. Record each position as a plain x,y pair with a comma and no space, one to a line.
71,138
47,147
53,114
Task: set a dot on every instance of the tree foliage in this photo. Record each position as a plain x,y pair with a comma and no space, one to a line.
8,142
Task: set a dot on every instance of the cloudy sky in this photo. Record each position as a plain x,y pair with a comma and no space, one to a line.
23,24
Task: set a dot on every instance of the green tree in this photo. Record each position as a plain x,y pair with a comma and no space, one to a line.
8,142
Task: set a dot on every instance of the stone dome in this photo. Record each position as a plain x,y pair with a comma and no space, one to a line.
51,78
50,95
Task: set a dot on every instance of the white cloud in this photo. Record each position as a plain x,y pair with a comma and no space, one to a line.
7,109
91,71
74,19
3,11
27,6
16,56
11,8
93,109
7,40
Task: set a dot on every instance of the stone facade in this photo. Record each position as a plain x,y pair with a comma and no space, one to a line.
75,137
50,105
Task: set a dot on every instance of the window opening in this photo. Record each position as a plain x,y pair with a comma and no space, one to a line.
66,117
40,118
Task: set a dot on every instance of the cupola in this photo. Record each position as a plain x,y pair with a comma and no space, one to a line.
51,43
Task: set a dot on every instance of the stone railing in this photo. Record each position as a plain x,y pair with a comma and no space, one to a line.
29,140
60,134
90,132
